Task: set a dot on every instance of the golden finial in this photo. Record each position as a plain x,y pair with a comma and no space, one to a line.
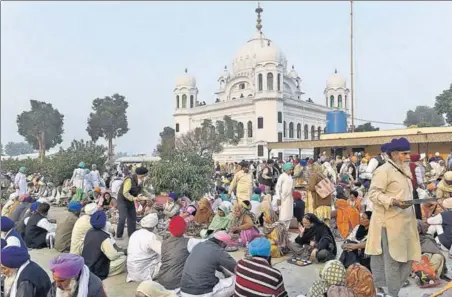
259,10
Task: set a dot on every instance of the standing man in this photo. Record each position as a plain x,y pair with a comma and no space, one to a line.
393,240
20,182
283,189
128,193
78,176
242,183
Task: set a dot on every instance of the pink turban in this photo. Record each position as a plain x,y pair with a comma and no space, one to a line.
67,266
222,236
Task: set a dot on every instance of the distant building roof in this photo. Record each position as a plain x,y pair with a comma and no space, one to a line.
414,135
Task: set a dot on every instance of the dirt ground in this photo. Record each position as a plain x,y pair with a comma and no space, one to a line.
297,280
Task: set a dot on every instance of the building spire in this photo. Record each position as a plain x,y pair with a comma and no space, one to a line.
186,70
259,10
335,71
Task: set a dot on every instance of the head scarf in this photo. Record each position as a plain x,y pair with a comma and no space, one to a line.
172,195
243,211
97,190
259,247
149,221
22,169
362,232
442,185
359,279
400,145
67,266
90,208
7,224
303,163
296,195
74,206
204,212
34,206
332,274
14,256
98,219
222,236
218,222
81,164
177,226
153,289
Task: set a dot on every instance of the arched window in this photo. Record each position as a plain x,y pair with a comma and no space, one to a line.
270,81
192,101
284,129
259,81
177,101
184,101
298,131
290,130
306,132
278,82
319,132
250,129
339,101
331,101
312,132
240,130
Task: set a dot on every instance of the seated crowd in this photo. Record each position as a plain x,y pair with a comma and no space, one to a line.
167,254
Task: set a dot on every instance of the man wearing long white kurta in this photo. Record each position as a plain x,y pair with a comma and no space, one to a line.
79,175
284,188
20,182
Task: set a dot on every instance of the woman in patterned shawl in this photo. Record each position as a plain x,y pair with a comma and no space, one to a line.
274,230
332,274
242,223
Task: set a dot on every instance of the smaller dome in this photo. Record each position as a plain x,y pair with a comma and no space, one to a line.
186,80
224,73
336,81
293,73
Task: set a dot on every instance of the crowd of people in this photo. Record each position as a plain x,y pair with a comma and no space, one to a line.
391,215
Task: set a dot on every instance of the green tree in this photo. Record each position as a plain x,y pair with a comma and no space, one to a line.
209,139
183,173
108,119
18,148
60,166
423,116
367,127
42,126
443,104
167,142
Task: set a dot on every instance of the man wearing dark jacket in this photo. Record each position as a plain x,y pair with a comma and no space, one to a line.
128,193
23,278
71,277
198,276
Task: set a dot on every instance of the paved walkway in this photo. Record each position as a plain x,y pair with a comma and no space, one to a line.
297,280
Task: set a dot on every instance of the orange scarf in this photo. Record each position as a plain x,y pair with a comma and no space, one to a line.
347,217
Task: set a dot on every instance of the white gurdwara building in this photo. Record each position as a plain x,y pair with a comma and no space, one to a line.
263,96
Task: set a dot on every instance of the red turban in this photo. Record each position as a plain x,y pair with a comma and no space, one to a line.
177,226
296,195
415,157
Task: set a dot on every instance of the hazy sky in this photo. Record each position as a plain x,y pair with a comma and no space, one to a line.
68,53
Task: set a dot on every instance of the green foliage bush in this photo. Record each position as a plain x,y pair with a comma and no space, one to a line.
183,173
59,167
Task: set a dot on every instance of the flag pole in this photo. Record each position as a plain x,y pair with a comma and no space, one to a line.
352,94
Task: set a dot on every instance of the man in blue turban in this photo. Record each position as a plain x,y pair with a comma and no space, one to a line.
11,236
255,276
99,252
393,239
64,228
283,192
23,277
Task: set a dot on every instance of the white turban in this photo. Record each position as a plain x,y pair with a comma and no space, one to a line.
90,208
149,221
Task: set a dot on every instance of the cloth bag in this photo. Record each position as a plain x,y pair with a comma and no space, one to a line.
324,188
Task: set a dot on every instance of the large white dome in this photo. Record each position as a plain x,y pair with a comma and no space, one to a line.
186,80
336,81
258,50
